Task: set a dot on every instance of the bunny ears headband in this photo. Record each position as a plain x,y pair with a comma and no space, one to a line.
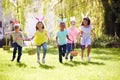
84,16
62,20
72,18
39,19
15,23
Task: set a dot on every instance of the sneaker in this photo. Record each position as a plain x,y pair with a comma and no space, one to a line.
18,61
38,60
88,57
12,60
43,61
66,58
63,55
81,59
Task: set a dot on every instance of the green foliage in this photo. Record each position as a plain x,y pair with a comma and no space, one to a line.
106,41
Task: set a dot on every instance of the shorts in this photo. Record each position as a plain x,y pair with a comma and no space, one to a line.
85,42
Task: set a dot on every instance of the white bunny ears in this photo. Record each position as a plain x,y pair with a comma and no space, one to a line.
72,18
84,16
40,19
62,20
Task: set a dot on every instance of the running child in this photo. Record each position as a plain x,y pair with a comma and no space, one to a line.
62,34
73,33
18,38
40,39
85,32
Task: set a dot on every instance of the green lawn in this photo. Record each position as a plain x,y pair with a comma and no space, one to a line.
104,65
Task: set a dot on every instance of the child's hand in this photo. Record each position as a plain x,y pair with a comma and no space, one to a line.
6,33
57,45
81,35
48,40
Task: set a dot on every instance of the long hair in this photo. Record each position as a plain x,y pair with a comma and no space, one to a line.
87,19
41,23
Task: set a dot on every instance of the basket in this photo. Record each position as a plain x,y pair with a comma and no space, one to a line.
31,51
73,53
6,47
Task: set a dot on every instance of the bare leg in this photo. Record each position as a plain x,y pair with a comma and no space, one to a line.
89,50
88,55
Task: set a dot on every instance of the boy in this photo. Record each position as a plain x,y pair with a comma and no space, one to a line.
62,34
17,42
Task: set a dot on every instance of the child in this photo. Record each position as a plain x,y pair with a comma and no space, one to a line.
85,31
72,33
40,40
17,42
62,34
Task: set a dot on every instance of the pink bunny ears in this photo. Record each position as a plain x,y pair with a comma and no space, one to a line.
15,23
39,19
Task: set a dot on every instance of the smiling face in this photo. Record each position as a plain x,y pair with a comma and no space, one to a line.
16,29
62,26
73,23
85,22
39,26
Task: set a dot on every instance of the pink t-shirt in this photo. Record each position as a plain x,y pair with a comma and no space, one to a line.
72,33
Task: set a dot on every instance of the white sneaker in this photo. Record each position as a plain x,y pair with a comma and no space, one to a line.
43,61
38,60
81,59
88,57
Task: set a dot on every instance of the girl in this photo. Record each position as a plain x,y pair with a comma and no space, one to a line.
72,33
40,40
62,34
85,31
17,42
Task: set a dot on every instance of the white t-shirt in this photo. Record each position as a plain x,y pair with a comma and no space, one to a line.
86,31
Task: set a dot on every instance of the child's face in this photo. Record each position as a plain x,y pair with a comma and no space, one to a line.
16,29
39,25
72,22
62,26
85,22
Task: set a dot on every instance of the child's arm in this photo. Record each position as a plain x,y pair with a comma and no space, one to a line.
57,41
32,38
8,33
48,38
69,38
81,33
93,34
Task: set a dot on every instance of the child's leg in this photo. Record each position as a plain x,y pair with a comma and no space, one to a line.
45,49
19,53
14,51
63,50
82,53
68,47
89,49
60,54
38,52
72,49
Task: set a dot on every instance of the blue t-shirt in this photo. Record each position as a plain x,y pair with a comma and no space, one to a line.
62,37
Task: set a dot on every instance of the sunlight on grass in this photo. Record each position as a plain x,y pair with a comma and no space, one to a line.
104,65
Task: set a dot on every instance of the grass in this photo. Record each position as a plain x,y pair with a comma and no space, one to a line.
105,65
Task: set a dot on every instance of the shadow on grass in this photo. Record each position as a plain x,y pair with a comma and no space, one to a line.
44,66
22,65
110,51
76,63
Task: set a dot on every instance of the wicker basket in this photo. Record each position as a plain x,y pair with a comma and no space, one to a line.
6,47
31,51
73,53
